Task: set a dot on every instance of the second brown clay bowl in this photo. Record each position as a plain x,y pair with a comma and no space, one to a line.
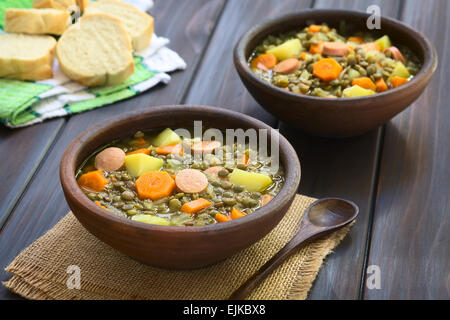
169,246
335,117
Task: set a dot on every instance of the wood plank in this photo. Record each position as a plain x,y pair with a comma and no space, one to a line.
21,152
189,26
217,82
411,230
342,168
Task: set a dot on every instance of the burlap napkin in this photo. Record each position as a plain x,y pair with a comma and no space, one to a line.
41,270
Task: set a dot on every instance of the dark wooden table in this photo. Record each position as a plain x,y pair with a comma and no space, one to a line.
399,174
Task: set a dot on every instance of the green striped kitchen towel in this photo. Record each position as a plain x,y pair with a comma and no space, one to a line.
24,103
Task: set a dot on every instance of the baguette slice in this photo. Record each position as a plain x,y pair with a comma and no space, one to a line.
137,23
53,4
36,21
96,51
26,57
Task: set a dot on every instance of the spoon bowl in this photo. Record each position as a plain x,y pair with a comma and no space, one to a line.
331,212
321,217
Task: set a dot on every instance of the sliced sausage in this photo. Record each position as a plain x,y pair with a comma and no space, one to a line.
205,146
266,199
287,66
335,49
191,181
110,159
214,172
395,54
370,46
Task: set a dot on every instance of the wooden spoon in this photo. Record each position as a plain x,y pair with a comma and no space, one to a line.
322,217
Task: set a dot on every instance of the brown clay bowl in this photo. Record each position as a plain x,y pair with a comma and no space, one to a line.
174,246
335,117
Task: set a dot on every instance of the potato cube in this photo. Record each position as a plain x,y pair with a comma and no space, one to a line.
357,91
384,42
286,50
252,181
400,70
137,164
146,218
166,137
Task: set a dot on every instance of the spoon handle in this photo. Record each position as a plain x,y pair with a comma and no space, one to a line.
244,290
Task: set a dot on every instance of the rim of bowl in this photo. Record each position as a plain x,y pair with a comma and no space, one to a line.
68,168
426,71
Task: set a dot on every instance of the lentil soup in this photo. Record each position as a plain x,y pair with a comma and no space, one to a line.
155,178
320,61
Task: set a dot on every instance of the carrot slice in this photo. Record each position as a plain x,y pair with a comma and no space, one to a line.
356,39
94,180
154,185
236,213
143,150
175,148
381,85
316,48
140,141
398,81
314,28
264,62
244,159
327,69
221,217
100,205
303,55
364,82
195,205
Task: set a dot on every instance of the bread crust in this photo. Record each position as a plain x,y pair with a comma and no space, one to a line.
36,21
53,4
42,73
